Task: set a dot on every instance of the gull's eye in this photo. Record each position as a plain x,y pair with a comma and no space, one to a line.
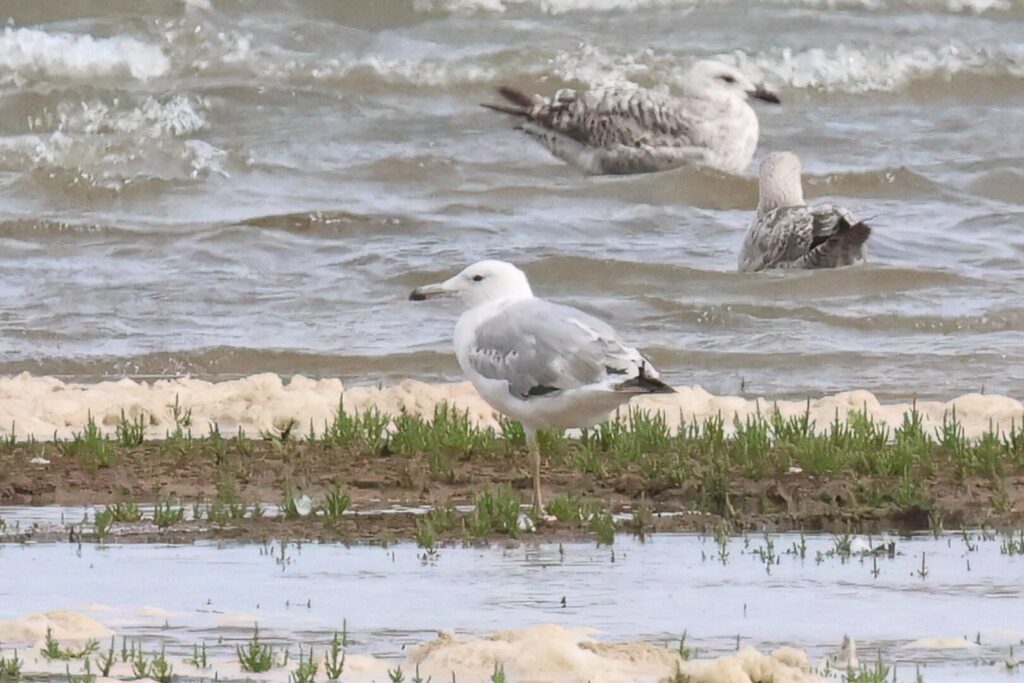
728,79
478,278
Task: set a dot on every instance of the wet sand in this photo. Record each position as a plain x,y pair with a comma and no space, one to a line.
390,492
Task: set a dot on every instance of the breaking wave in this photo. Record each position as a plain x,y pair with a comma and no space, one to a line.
113,146
28,54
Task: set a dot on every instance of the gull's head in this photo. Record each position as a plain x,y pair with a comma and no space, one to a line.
779,183
713,80
480,283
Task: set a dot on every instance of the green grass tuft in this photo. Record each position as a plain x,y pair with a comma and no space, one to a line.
255,656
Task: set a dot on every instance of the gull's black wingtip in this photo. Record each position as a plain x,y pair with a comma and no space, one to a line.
645,384
415,295
662,388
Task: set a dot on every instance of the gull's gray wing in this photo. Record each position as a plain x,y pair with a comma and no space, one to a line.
798,237
541,348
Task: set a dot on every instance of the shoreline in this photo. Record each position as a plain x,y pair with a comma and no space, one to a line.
417,461
367,478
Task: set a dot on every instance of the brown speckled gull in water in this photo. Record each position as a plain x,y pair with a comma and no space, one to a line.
627,129
786,233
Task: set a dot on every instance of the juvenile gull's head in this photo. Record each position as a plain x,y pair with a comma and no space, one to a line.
779,183
482,282
712,80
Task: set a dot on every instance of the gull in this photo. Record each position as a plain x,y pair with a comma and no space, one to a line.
541,363
786,233
627,129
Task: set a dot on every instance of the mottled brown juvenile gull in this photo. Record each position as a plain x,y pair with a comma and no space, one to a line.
544,364
786,233
627,129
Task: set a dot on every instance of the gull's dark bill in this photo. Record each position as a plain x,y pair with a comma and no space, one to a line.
766,95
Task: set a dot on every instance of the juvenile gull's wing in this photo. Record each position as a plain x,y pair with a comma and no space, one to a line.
605,117
541,348
838,239
622,130
779,237
799,237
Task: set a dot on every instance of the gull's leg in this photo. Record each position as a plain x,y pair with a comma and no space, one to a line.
531,441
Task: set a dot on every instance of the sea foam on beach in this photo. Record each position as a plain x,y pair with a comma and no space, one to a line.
46,407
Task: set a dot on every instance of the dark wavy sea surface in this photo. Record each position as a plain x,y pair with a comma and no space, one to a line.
225,187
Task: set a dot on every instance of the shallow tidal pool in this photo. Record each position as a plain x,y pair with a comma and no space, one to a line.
951,607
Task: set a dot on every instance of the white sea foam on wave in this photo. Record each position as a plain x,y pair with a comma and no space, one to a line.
108,145
840,69
30,53
152,118
872,69
422,73
205,158
544,6
596,67
556,7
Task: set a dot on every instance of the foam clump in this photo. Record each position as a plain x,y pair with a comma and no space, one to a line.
63,625
554,653
784,665
45,406
940,643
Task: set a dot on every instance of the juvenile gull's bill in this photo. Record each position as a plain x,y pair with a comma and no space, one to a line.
541,363
632,130
786,233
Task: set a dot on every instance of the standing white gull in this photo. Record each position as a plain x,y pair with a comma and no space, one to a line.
786,233
543,364
622,129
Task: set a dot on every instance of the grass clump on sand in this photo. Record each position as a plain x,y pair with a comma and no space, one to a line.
334,660
124,511
157,668
335,503
90,446
305,672
166,515
10,667
494,512
438,521
255,656
761,445
52,649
